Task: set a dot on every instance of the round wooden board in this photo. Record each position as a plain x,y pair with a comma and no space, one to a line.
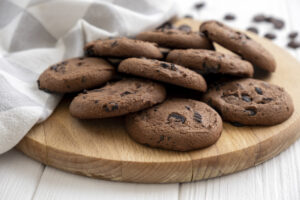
102,148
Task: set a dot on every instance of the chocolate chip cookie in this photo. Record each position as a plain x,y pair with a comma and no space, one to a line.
207,61
116,99
240,44
174,38
176,124
250,102
163,71
76,74
123,48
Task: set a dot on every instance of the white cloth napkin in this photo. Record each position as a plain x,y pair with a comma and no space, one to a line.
37,33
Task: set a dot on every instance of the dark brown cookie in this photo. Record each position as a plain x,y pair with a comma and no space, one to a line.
174,38
250,102
240,44
76,74
207,61
123,48
176,124
116,99
163,71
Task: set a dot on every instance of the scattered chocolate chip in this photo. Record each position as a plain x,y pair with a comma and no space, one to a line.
253,30
199,5
270,36
125,93
164,65
173,67
166,25
83,79
294,44
161,138
81,58
90,50
278,23
188,16
96,101
112,106
187,107
177,117
269,19
237,124
185,28
84,97
197,117
246,98
259,18
267,99
84,91
114,44
229,17
293,35
251,111
64,62
79,64
258,90
211,69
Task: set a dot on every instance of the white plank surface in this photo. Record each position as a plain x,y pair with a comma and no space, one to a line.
56,184
279,178
19,176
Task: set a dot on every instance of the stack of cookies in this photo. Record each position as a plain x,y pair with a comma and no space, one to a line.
134,78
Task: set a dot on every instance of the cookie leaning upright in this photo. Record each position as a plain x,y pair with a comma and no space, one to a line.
76,74
116,99
240,44
176,124
250,102
163,71
174,38
123,48
211,62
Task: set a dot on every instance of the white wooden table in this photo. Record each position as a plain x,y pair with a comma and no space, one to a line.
279,178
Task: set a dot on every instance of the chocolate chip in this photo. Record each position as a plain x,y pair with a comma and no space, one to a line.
197,117
278,23
164,65
185,28
259,18
251,111
166,25
199,5
269,19
64,63
246,98
96,101
267,99
53,67
112,106
188,108
229,17
210,69
90,50
84,97
177,117
83,79
81,58
294,44
258,90
114,44
253,30
173,67
270,36
188,16
84,91
161,138
125,93
293,35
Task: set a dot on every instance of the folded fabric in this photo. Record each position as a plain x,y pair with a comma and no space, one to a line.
35,34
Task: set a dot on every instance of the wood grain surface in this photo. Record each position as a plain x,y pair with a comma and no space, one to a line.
102,148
